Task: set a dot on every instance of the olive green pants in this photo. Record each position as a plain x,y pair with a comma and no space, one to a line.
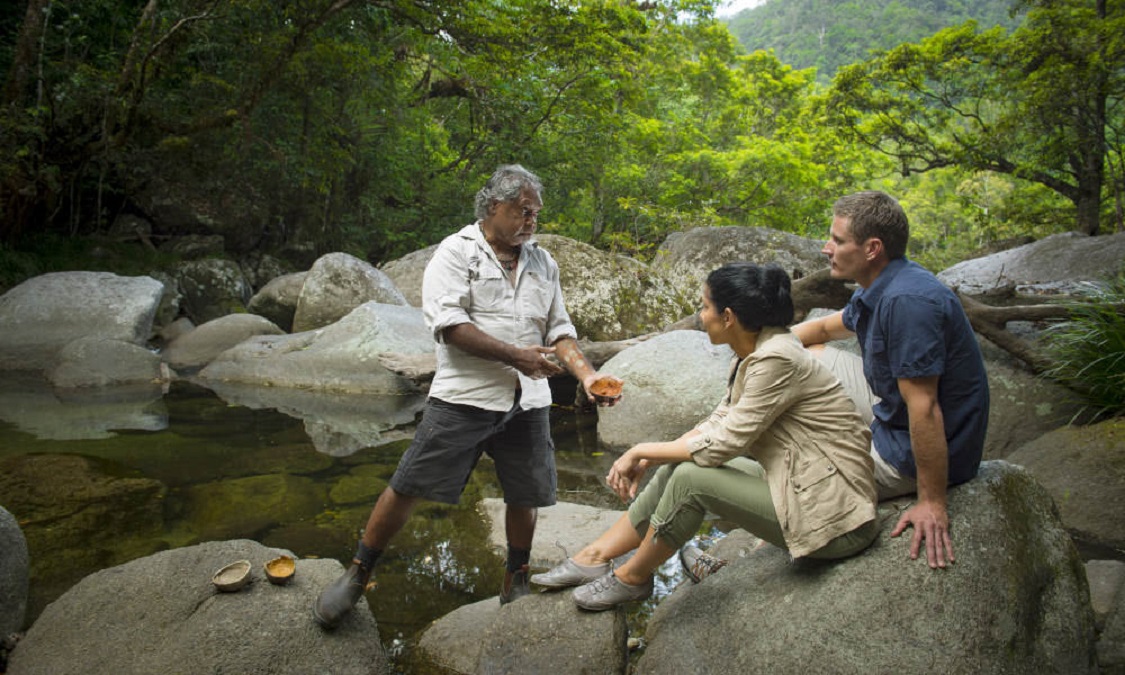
678,497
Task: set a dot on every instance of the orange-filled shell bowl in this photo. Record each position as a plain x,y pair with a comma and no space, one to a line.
605,387
280,570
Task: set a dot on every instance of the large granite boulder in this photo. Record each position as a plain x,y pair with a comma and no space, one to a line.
1016,601
612,297
170,300
98,362
212,288
1022,407
45,313
672,382
1059,264
277,301
688,257
407,272
541,633
261,268
1083,468
1111,643
1107,579
162,614
343,357
337,284
14,566
197,348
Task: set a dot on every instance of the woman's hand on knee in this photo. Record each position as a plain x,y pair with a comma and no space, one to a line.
626,473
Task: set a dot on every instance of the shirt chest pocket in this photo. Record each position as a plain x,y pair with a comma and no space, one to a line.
488,289
536,294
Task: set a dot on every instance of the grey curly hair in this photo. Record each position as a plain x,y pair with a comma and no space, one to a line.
505,185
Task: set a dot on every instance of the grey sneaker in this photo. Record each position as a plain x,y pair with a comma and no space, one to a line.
698,564
607,592
569,573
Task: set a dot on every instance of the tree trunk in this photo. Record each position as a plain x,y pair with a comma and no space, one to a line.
24,57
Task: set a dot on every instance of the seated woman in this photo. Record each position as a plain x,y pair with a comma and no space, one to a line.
784,456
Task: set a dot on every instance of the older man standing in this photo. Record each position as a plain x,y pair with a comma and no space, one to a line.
492,298
920,359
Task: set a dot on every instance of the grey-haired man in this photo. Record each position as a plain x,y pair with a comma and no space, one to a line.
493,300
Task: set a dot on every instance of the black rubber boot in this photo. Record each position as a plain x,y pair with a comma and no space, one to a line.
514,586
338,599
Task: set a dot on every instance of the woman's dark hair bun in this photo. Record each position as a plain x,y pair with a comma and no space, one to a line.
759,295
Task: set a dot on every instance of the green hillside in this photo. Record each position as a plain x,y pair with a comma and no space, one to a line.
827,34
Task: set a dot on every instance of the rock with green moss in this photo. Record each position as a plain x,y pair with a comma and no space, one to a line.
362,485
277,300
226,508
612,297
1016,600
61,499
212,288
1083,467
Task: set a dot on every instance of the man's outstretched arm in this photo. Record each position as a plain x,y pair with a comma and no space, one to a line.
824,329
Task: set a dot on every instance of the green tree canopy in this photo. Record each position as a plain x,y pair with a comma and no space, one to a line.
1035,104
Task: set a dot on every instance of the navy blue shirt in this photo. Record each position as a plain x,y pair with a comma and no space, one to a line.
910,325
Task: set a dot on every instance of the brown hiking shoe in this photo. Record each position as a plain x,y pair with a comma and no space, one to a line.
699,564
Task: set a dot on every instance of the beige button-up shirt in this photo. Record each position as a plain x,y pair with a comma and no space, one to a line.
788,412
464,283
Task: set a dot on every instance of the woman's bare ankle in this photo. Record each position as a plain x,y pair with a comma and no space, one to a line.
588,558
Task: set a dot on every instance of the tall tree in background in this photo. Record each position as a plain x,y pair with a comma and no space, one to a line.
1035,104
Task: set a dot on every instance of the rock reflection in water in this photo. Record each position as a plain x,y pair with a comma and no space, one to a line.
337,424
32,405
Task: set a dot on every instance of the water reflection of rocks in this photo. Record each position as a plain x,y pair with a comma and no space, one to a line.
337,424
32,405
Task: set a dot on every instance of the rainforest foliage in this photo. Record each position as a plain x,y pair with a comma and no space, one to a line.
366,125
829,34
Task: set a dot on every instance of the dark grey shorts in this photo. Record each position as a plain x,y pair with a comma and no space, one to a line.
451,438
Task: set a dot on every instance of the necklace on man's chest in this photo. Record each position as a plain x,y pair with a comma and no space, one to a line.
509,264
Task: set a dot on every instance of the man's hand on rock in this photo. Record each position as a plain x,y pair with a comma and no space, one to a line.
931,524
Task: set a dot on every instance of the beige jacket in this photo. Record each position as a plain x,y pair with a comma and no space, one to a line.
788,412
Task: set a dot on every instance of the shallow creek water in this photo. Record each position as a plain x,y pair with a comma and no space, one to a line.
98,480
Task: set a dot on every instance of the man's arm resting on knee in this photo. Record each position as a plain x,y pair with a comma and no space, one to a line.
931,458
822,330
